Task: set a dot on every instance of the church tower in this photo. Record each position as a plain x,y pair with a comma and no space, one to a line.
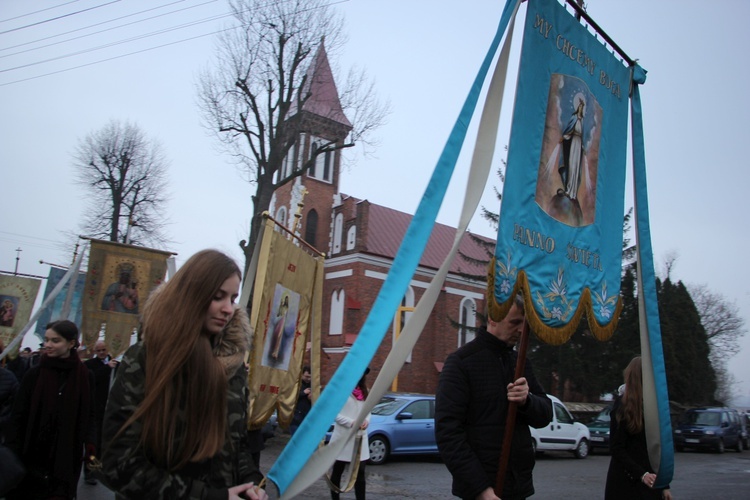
305,205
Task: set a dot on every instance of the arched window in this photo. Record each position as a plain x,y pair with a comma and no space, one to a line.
351,238
311,229
338,299
281,216
338,228
322,169
467,319
404,314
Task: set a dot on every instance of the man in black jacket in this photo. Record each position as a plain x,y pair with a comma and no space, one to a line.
471,404
101,365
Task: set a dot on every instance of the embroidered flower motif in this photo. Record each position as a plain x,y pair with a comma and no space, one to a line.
606,304
556,312
505,286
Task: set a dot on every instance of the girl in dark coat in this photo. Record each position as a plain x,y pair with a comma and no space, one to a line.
53,417
630,475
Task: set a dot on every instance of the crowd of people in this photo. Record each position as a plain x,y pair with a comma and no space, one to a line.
169,420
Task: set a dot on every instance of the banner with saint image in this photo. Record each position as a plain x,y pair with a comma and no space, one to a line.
17,297
560,232
119,279
55,311
288,281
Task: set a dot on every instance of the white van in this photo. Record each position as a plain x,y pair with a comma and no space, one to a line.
563,433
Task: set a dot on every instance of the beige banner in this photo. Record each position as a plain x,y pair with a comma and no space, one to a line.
118,281
17,297
288,285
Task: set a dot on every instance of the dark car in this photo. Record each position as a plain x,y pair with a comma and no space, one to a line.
709,428
599,430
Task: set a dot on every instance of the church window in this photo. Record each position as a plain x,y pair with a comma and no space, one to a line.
467,321
351,238
337,230
311,228
338,299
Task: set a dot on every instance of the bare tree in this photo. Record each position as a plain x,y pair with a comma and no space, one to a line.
125,178
252,99
722,321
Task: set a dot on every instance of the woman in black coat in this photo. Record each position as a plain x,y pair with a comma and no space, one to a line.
630,475
52,418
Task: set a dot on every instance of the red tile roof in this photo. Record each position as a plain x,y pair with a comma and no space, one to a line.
387,227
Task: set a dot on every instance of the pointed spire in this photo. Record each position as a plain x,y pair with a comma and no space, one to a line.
324,97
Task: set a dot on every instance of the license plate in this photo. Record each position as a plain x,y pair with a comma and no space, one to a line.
597,438
694,441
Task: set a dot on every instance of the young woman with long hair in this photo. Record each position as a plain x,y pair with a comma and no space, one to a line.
630,474
175,423
53,417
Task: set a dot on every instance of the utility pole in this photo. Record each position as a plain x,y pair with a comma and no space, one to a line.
18,257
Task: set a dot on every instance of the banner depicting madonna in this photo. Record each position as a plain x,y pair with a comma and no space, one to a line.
119,278
54,312
17,297
560,233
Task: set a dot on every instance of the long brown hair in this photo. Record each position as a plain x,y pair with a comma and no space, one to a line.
631,411
183,412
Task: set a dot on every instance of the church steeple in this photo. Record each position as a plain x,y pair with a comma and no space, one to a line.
320,95
322,127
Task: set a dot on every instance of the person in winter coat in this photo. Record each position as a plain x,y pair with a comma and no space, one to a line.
630,475
175,423
345,420
475,387
52,418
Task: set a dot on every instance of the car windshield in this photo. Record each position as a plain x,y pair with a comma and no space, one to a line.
388,406
702,418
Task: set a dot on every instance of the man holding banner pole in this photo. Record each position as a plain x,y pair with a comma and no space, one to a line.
476,387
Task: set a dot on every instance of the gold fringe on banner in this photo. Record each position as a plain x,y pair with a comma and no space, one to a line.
554,336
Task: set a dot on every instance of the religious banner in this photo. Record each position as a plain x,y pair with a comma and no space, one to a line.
560,233
119,278
55,311
17,297
288,281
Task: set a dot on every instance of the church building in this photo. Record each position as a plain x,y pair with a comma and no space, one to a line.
360,240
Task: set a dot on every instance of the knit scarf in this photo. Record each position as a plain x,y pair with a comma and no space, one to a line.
59,413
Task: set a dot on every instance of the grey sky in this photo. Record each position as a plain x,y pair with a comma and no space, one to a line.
423,55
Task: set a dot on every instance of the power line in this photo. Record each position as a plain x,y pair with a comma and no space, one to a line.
134,52
119,42
58,17
99,24
36,12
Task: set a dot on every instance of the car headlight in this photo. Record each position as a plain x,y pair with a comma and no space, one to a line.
678,431
710,433
607,433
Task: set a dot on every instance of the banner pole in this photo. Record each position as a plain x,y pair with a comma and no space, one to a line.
510,419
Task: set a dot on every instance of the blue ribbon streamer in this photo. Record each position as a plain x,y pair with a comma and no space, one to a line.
316,423
648,285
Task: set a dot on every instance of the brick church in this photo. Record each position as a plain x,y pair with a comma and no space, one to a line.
360,240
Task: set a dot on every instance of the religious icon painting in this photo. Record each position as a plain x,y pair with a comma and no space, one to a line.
569,159
281,327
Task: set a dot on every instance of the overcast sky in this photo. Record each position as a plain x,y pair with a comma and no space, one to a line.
423,55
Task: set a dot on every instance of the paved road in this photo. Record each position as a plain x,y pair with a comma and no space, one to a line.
698,476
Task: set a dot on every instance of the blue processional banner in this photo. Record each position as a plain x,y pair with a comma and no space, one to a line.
54,311
560,233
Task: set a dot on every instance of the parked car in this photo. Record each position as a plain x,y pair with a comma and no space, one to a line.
563,433
599,430
709,428
402,424
745,424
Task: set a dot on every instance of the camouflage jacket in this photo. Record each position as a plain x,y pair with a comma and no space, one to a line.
126,465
